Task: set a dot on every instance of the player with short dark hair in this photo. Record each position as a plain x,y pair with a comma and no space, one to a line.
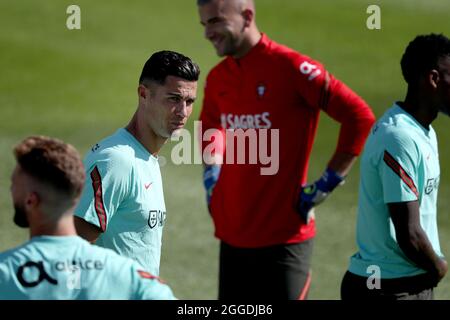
122,206
168,63
265,222
57,264
397,230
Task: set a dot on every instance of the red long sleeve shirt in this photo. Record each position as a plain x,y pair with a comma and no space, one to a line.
274,87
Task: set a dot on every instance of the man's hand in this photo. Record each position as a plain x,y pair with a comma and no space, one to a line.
313,194
210,177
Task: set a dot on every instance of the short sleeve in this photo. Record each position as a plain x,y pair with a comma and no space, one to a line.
107,184
398,169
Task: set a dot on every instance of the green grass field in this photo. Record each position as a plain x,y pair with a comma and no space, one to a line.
80,86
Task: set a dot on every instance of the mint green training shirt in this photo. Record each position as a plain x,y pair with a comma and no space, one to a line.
123,196
68,267
400,163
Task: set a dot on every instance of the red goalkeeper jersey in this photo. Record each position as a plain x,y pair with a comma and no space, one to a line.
273,87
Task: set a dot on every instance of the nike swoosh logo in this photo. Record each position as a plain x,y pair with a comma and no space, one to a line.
148,185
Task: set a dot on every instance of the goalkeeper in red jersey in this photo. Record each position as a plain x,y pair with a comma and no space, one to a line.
265,221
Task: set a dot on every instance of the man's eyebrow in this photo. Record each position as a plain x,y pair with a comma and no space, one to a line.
211,20
175,94
179,95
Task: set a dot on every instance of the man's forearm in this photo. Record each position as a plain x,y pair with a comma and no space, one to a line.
341,163
419,250
413,240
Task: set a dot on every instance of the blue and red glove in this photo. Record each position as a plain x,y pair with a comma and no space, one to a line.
313,194
210,177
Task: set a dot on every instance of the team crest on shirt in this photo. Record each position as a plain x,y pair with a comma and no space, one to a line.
153,218
156,217
261,90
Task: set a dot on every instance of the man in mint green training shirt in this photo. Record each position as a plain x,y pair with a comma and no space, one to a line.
122,206
399,254
56,263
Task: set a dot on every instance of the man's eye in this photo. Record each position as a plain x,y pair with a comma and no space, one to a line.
175,99
216,21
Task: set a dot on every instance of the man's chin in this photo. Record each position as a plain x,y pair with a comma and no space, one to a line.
220,53
177,132
20,219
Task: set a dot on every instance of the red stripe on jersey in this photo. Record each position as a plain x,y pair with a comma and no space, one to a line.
398,169
148,275
98,198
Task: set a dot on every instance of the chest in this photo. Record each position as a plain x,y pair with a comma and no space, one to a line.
255,97
145,206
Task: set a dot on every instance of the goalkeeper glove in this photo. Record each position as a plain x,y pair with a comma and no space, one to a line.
313,194
210,177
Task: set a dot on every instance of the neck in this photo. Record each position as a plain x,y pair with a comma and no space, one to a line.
420,108
63,227
145,135
251,40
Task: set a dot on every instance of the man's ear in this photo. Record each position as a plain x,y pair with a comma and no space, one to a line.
433,78
248,15
142,91
32,201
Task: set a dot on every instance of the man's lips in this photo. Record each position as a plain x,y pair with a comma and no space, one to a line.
178,125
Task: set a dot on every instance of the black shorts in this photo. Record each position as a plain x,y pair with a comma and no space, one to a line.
418,287
280,272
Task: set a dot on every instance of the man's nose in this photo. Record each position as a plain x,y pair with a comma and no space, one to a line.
182,109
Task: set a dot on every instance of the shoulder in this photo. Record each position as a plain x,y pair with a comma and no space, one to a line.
290,57
15,256
5,255
6,258
394,133
395,125
112,153
16,252
118,156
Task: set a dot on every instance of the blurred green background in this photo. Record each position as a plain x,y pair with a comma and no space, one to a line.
80,85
